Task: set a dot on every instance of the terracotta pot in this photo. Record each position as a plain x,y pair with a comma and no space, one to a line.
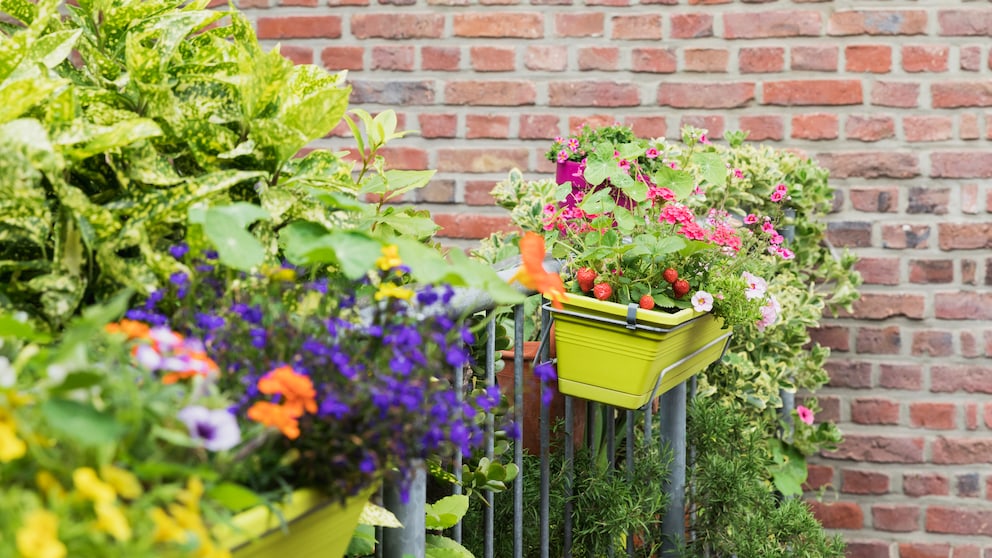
532,402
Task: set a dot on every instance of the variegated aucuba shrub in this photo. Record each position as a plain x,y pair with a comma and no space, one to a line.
122,122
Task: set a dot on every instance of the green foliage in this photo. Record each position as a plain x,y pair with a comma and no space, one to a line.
735,512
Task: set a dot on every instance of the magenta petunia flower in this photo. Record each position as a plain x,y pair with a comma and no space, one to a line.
805,414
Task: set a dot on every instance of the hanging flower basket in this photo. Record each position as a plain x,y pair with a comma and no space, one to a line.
627,356
307,525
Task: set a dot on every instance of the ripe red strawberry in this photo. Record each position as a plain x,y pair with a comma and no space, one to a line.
602,291
646,302
670,275
586,276
680,288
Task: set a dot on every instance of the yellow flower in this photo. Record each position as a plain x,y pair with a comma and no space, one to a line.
38,536
166,528
191,496
110,519
389,290
122,481
279,273
11,447
91,487
390,258
48,484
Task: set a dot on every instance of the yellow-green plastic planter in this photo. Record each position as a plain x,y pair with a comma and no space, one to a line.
307,525
604,356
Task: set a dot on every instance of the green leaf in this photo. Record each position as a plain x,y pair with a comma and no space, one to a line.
446,512
306,243
407,223
712,166
314,101
12,328
678,181
118,135
598,202
79,380
81,422
362,541
378,515
397,182
443,547
234,497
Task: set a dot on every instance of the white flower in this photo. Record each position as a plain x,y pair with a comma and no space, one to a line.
702,301
216,429
7,374
756,286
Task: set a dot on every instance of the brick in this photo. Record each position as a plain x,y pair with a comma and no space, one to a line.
970,58
481,160
900,376
579,24
848,373
548,58
636,27
896,518
705,95
882,306
539,126
925,484
927,128
491,93
967,485
600,58
527,25
867,549
467,226
878,341
487,126
869,128
878,22
960,451
901,237
931,271
967,551
863,164
837,515
875,200
593,94
961,94
964,23
818,476
812,92
437,191
713,124
691,26
762,127
761,60
393,92
299,27
769,24
298,54
874,410
392,57
928,200
653,60
343,58
958,521
814,58
836,338
713,60
829,409
648,126
852,234
952,236
876,59
407,158
576,123
438,125
879,271
445,59
879,449
864,482
962,377
968,128
493,59
961,165
477,192
925,58
934,416
895,94
397,26
924,550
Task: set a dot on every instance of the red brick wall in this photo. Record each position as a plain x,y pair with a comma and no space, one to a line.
892,96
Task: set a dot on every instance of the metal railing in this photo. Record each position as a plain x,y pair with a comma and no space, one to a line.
671,422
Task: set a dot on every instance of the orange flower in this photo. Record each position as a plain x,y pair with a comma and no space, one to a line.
131,328
297,389
532,273
281,416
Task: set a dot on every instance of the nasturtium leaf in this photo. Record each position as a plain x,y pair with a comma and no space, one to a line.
234,497
362,541
678,181
712,166
443,547
81,422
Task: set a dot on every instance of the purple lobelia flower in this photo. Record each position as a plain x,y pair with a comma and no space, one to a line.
216,429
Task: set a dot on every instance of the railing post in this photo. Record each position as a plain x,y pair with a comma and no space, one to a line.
410,540
672,419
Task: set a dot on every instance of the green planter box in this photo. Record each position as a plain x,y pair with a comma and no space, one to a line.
604,356
307,525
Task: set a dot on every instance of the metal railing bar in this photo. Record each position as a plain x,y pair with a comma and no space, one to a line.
490,432
545,445
456,531
569,475
611,452
518,419
672,428
630,472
